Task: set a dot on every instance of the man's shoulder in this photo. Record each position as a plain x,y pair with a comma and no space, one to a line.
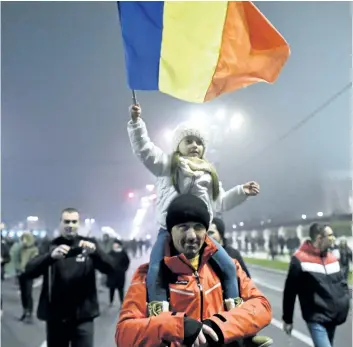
140,274
142,269
232,252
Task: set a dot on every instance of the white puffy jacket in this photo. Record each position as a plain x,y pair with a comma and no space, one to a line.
159,164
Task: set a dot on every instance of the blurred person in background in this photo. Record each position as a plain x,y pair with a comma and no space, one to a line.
106,243
345,257
45,242
116,279
5,256
15,253
217,232
315,276
273,245
68,301
28,251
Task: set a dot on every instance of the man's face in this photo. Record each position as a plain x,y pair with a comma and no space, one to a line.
69,224
214,233
327,240
188,238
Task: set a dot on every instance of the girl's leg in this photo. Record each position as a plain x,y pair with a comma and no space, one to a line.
155,289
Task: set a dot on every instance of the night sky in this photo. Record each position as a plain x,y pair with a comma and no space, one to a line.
65,108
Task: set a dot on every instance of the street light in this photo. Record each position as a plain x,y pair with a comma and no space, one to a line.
241,224
320,214
32,219
150,187
236,121
90,221
234,226
303,216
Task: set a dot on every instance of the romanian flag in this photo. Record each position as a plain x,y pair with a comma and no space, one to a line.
196,51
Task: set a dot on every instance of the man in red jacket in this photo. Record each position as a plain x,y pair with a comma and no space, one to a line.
315,276
196,314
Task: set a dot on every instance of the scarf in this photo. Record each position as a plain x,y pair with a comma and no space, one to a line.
193,167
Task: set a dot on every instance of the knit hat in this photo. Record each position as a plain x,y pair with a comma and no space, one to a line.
187,208
188,129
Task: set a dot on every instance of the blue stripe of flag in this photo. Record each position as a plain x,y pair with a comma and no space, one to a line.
142,26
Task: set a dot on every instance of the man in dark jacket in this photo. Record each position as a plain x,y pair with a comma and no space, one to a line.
116,279
5,256
68,301
217,231
315,276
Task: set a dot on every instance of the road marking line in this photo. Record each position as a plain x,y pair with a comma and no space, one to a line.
266,285
278,324
266,269
37,283
295,333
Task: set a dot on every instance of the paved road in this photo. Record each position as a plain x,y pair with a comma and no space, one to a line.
17,334
272,284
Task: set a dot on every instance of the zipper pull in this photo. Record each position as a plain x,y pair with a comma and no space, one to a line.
198,280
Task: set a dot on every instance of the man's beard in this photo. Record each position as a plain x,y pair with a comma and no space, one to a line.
69,232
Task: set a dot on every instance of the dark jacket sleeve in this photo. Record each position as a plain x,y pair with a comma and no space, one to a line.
38,265
291,290
126,262
5,254
102,261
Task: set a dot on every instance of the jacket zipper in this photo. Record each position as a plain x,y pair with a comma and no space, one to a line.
201,293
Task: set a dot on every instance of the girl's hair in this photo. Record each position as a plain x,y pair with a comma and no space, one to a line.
175,160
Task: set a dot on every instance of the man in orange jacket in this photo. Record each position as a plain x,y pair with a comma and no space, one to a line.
197,315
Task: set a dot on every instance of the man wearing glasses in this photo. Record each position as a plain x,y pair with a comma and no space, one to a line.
315,276
68,301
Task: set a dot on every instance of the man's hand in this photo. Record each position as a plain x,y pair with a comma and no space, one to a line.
60,252
251,188
135,112
201,339
90,247
287,328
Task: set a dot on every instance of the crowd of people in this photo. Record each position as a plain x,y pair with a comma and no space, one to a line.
196,289
68,264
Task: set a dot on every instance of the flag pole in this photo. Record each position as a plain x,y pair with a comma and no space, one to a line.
134,100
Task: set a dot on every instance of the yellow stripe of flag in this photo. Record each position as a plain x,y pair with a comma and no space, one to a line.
190,50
